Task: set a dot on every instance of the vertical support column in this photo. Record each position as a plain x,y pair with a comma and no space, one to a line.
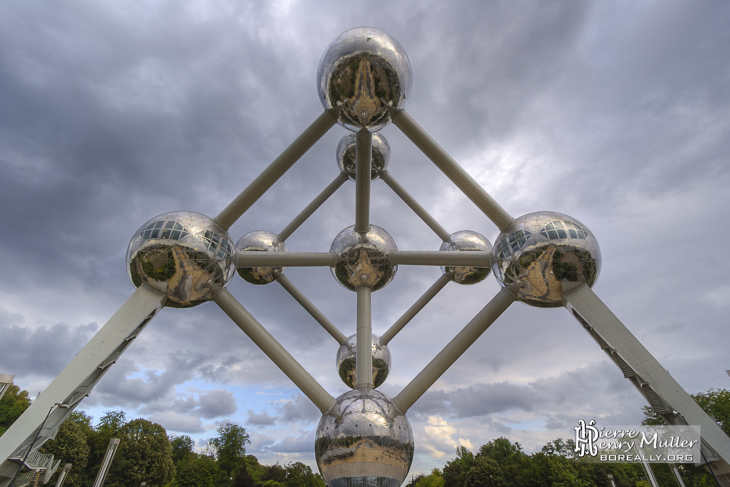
107,462
364,357
362,183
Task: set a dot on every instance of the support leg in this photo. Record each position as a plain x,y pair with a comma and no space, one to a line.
660,389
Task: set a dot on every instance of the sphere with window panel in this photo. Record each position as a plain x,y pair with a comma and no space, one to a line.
545,253
184,255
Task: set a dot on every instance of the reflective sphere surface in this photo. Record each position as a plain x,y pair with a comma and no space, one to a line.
466,241
544,252
183,254
364,441
347,156
364,71
262,241
346,360
363,259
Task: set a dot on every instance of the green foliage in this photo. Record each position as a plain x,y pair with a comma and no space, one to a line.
12,405
182,448
71,446
229,447
202,471
144,455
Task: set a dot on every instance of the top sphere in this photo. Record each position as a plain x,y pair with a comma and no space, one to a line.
347,156
184,255
364,71
545,253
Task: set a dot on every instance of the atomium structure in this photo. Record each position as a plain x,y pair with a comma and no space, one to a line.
182,259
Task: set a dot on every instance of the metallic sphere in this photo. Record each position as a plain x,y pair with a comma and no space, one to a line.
363,258
347,156
545,253
346,361
364,71
184,255
364,440
466,241
262,241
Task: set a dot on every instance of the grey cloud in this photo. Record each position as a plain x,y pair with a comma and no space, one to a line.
260,419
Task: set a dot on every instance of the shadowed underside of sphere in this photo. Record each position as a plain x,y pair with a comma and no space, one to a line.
346,361
364,71
184,255
260,241
364,440
466,241
347,156
363,258
546,252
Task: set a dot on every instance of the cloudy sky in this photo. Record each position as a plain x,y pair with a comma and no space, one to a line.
617,113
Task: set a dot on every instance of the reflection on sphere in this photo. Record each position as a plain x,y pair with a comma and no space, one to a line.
364,441
261,241
347,156
183,254
466,241
346,361
363,72
544,252
363,258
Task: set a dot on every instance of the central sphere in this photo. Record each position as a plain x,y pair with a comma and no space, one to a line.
260,241
363,258
347,156
184,255
466,241
347,359
364,71
546,252
364,440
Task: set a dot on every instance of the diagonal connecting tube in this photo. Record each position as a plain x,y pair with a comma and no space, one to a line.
451,169
453,350
276,169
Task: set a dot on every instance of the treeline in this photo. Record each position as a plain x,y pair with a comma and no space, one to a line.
147,454
501,463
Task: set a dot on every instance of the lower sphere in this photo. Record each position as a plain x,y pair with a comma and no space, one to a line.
545,253
261,241
347,156
363,258
346,360
184,255
364,440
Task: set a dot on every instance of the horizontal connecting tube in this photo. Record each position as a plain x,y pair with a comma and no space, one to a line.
477,258
253,258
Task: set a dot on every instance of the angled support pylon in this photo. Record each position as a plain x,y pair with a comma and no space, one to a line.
659,388
41,420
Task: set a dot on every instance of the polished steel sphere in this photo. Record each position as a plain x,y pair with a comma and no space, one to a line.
364,71
184,255
262,241
346,356
466,241
364,440
363,258
347,156
546,253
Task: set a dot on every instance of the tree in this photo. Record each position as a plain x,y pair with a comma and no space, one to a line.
455,471
144,455
229,447
12,405
202,471
182,448
485,472
71,445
